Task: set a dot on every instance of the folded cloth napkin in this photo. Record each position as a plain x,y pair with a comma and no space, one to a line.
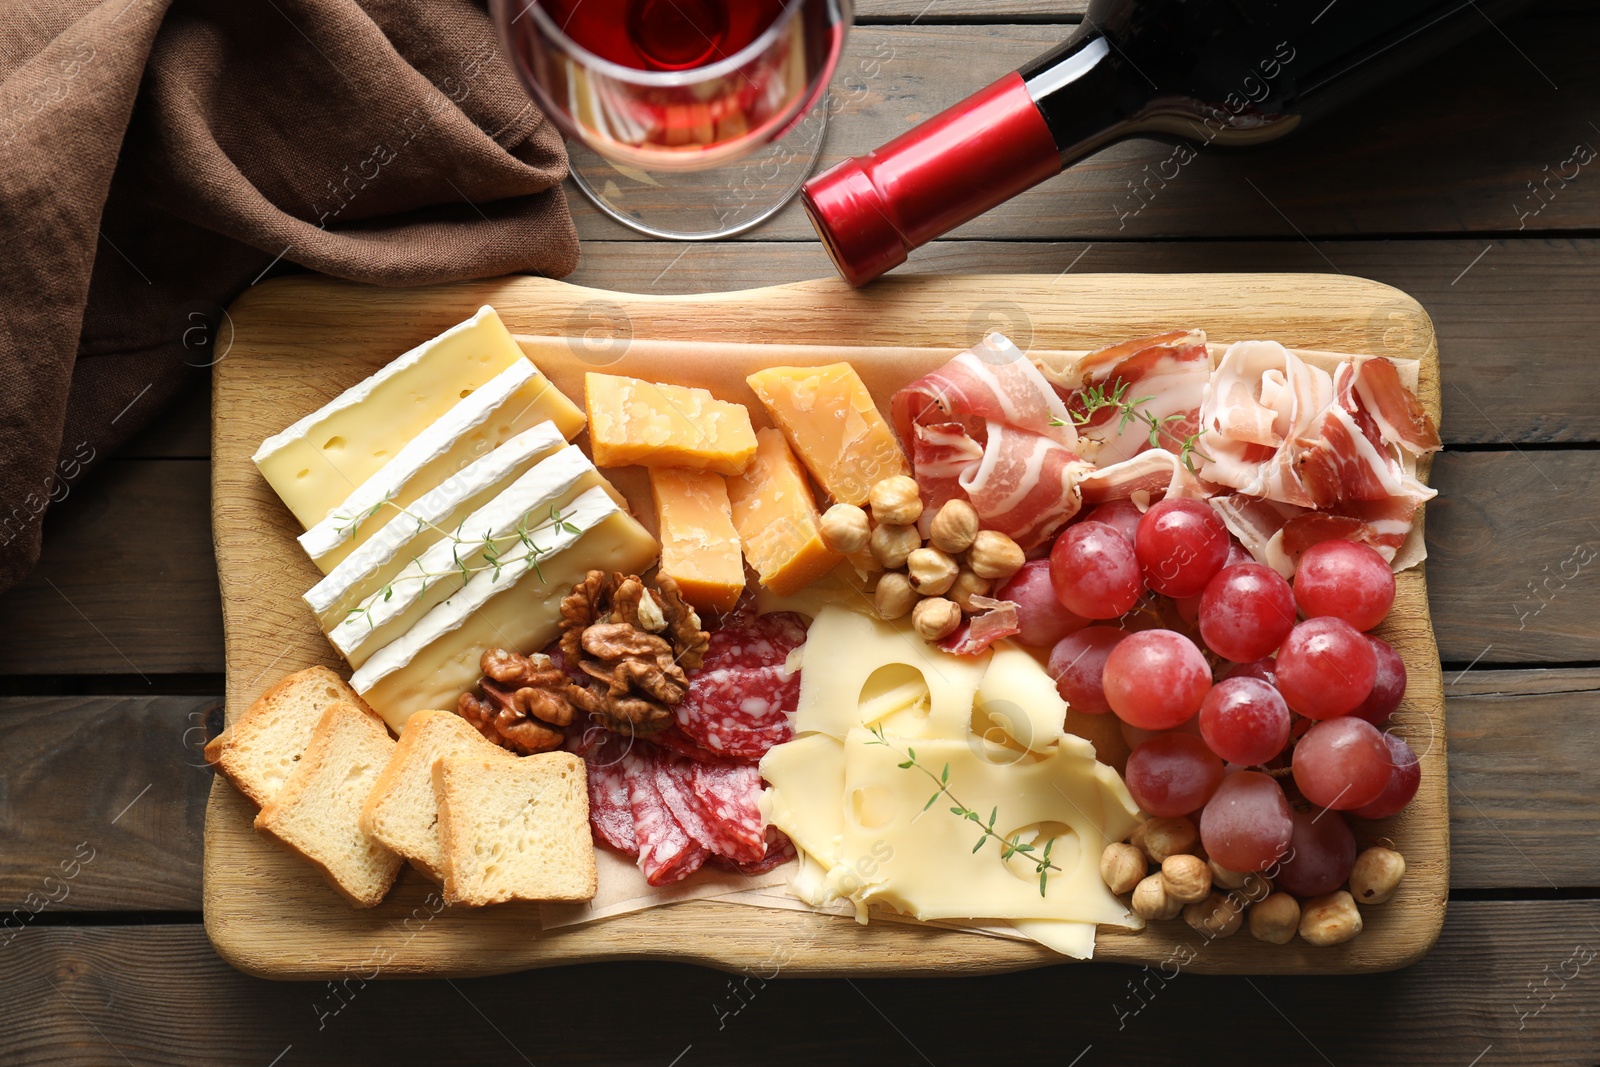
159,156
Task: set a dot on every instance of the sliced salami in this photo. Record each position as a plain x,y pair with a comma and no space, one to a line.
739,702
610,763
728,796
780,850
667,853
677,743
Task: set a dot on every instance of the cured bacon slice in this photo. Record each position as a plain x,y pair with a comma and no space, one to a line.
996,619
1395,408
988,428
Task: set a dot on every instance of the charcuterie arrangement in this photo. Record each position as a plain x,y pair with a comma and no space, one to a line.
1029,645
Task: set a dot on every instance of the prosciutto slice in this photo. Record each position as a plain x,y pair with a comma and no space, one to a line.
988,428
1167,374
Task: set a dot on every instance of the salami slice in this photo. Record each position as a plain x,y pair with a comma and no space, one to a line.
677,743
739,702
780,850
728,796
610,762
667,854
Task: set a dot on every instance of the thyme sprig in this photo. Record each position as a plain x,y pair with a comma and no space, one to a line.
1013,847
486,549
1096,398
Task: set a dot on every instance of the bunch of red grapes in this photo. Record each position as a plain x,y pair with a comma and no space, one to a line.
1297,695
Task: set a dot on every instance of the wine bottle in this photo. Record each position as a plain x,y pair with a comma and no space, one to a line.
1211,72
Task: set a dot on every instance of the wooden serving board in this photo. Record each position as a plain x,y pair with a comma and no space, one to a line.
298,342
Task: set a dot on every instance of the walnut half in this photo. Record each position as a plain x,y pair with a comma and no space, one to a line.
526,702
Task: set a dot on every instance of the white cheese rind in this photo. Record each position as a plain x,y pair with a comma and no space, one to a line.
437,660
316,463
526,504
504,407
403,537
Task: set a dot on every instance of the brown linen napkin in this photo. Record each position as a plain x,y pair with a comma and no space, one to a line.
158,156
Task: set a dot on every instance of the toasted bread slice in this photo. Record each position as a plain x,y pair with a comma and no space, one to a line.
401,812
514,830
260,750
317,813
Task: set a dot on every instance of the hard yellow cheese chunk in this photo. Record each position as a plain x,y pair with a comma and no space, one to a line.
316,463
700,549
777,519
632,421
830,419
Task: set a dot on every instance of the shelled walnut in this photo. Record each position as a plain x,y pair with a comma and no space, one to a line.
632,645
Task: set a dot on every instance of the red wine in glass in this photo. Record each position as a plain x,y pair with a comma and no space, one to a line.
661,99
664,34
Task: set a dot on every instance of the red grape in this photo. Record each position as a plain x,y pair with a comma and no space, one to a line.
1244,720
1342,763
1237,553
1042,618
1094,571
1247,822
1078,664
1136,735
1172,774
1321,852
1404,778
1265,669
1246,611
1325,668
1181,544
1387,688
1156,679
1123,514
1346,580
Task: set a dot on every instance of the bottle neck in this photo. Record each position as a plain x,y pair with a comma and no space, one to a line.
1088,92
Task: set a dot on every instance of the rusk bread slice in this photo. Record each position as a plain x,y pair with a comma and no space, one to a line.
260,750
514,830
401,812
317,813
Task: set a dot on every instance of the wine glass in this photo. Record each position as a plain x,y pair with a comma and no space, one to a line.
685,119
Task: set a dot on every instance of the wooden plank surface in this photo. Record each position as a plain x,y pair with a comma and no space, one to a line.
271,914
1524,765
1512,982
1445,149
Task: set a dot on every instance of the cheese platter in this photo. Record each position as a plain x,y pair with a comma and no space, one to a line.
757,379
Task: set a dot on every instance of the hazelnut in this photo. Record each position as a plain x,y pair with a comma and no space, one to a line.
1376,875
894,597
1187,878
845,528
1122,866
896,501
865,562
1275,919
932,572
954,527
892,544
1150,900
1165,837
994,555
966,586
1215,915
1330,919
1220,875
935,618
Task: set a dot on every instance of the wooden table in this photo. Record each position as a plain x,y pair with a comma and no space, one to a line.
110,658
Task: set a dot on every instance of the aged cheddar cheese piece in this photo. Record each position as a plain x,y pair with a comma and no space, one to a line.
931,871
830,419
513,401
777,519
523,520
700,548
632,421
316,463
402,538
519,607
